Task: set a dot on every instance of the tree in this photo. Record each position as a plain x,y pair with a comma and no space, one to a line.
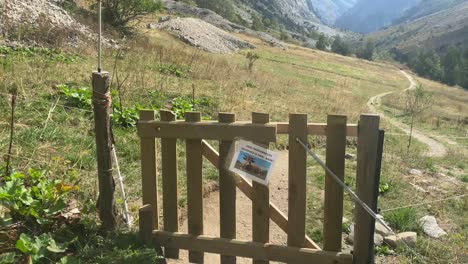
257,23
367,52
251,59
119,13
417,101
341,47
453,66
322,43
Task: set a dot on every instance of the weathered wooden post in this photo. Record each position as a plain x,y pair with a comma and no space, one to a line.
102,126
366,178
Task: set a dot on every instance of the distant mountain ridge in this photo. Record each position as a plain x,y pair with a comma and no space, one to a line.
436,31
371,15
330,10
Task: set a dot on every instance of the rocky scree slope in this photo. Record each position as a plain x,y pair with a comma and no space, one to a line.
202,35
38,22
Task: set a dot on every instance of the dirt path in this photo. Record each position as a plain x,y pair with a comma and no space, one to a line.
436,149
278,195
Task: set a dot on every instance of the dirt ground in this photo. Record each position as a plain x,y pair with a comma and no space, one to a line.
278,195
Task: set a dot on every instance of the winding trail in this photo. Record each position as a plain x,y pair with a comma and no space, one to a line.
436,149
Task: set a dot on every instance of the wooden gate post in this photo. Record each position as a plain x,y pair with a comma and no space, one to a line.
227,191
148,170
261,199
194,168
169,182
367,152
335,158
102,126
297,180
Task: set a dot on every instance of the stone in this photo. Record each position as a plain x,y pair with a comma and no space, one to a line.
408,238
382,230
164,19
378,240
430,227
415,172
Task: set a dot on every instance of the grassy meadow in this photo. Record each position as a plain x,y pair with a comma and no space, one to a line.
54,131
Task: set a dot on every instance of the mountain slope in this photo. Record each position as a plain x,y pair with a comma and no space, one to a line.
425,8
370,15
330,10
436,31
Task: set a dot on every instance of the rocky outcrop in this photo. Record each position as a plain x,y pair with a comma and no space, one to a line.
202,35
174,8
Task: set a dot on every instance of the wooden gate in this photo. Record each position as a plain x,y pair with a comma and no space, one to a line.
300,248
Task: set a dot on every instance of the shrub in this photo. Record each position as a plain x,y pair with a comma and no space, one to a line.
252,57
119,13
405,219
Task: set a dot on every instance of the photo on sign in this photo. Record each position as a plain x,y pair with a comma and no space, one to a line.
253,162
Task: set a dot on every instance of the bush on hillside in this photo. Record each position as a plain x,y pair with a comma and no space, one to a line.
341,47
119,13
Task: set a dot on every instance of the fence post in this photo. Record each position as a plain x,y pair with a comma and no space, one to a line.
368,144
297,180
102,126
260,200
169,182
335,160
194,187
148,169
227,191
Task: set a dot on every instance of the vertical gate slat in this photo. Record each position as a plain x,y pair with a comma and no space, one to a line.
297,180
148,169
335,160
194,187
169,182
368,138
260,200
227,191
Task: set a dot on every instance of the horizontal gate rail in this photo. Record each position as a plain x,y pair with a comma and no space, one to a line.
318,129
246,187
254,250
207,130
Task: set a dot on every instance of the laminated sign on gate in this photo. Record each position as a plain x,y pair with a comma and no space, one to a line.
253,161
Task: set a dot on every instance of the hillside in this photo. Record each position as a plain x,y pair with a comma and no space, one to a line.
370,15
436,31
425,8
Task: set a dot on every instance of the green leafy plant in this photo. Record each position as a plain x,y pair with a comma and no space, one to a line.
126,117
34,198
177,70
80,97
39,247
180,105
383,187
383,250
